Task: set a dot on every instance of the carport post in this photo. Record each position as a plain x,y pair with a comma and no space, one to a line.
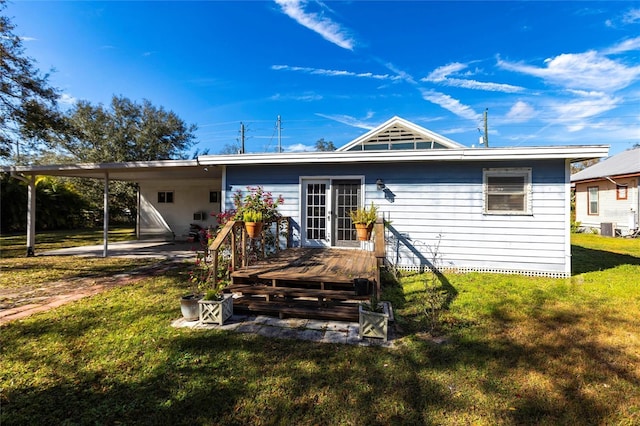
105,226
31,211
31,217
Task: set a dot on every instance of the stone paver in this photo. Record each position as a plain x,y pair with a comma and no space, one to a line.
336,332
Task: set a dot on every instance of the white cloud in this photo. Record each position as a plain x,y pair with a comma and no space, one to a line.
334,73
519,112
304,97
624,46
348,120
584,71
450,104
28,39
298,147
400,74
328,29
631,17
67,99
479,85
578,114
441,75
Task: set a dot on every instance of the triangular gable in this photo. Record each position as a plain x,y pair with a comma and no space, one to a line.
399,134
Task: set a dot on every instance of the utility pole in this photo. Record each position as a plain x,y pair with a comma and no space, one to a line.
279,126
241,138
486,129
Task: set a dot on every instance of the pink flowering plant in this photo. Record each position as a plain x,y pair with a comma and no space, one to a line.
201,275
257,200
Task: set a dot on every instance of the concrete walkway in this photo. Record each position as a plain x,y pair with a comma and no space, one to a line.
133,249
321,331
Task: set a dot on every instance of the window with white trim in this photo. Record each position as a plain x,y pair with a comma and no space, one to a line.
593,202
507,191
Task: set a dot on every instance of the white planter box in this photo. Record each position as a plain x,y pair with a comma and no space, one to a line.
374,324
216,311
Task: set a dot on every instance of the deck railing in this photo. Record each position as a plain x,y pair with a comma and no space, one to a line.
233,248
379,248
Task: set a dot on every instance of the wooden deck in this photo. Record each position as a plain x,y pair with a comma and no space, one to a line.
305,282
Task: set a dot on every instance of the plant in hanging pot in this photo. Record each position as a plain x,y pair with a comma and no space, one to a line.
363,219
256,206
253,221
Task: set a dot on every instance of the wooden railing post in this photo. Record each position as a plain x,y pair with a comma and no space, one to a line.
379,248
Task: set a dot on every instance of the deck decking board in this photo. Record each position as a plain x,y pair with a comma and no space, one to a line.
285,282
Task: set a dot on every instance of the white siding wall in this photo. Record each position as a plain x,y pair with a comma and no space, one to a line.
624,213
171,220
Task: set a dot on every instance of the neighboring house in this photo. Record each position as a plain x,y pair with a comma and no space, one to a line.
503,210
607,194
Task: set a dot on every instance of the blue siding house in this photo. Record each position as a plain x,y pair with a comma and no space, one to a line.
503,210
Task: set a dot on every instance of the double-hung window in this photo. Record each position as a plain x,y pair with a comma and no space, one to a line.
592,195
507,191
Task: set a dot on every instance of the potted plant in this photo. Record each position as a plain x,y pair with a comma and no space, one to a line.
363,219
374,318
253,221
216,307
199,278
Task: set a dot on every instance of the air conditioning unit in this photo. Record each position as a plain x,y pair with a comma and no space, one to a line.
608,229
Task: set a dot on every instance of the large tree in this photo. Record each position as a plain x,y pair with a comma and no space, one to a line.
125,131
322,145
27,102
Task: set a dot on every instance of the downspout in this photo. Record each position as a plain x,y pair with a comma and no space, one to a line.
31,211
105,206
567,218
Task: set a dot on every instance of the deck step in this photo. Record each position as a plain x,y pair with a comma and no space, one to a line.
337,313
296,292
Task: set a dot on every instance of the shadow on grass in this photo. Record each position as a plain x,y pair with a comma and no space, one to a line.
114,361
585,260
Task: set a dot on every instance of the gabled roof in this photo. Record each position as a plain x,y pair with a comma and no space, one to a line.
399,134
622,164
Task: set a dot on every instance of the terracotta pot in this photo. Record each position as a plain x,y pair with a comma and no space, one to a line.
363,231
253,229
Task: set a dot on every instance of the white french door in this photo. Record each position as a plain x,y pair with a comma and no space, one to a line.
325,211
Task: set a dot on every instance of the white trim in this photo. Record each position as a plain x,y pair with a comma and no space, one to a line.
575,153
468,154
397,121
567,218
528,189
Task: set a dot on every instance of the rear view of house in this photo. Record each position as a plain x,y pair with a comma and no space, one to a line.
504,210
607,194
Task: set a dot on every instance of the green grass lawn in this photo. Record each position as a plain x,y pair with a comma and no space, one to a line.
510,350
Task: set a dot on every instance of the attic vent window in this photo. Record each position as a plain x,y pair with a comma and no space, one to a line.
397,138
507,191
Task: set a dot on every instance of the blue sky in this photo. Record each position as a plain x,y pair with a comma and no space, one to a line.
549,73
